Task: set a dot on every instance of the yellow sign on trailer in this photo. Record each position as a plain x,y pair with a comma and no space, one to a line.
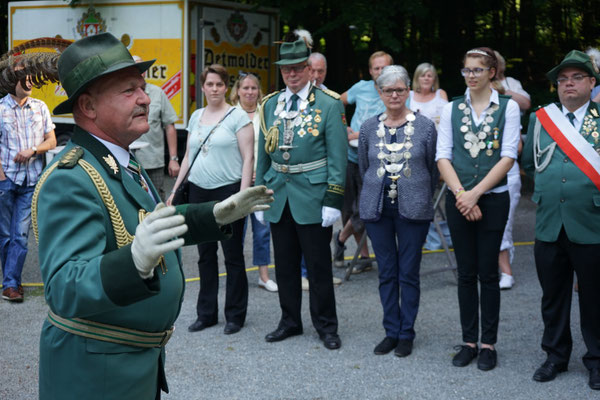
238,36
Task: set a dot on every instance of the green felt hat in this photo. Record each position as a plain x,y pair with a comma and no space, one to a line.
293,52
87,60
575,59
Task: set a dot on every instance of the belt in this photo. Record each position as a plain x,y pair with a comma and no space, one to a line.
110,333
297,168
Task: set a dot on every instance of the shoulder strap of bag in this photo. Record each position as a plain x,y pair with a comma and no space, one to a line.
205,139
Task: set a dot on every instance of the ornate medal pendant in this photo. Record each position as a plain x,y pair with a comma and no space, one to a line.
393,193
476,141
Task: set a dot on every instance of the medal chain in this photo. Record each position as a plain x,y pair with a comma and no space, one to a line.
396,160
485,138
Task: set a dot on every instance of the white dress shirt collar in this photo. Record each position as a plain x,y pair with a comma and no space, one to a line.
303,94
579,115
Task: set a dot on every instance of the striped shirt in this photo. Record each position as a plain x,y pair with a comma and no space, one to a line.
21,128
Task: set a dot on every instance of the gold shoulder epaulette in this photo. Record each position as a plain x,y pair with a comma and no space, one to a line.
267,97
331,93
70,158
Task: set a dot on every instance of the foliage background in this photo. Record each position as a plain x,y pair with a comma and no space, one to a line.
533,35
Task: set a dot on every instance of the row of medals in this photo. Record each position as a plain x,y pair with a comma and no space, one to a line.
590,128
396,161
485,138
292,119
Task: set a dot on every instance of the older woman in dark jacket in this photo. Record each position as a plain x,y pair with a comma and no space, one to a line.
396,158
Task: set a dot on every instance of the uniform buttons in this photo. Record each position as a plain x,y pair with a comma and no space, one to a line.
562,200
287,179
566,160
564,180
475,176
476,165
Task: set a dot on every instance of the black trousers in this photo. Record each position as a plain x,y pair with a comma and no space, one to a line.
290,241
236,295
476,246
555,263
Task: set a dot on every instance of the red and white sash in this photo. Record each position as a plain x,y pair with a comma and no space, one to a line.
571,142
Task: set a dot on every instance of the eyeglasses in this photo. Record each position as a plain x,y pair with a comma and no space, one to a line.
575,78
286,69
475,71
389,91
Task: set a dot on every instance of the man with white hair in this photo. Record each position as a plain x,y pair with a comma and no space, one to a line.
317,64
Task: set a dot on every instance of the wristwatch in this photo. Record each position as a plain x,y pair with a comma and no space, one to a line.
34,150
174,158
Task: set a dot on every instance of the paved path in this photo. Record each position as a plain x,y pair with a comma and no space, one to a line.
211,365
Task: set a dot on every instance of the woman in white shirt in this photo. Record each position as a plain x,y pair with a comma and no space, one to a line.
246,94
477,145
426,96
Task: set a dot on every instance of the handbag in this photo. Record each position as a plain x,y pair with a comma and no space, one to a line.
182,193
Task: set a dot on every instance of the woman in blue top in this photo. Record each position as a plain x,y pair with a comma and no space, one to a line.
477,145
220,150
396,159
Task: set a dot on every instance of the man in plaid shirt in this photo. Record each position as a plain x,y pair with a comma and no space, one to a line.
26,132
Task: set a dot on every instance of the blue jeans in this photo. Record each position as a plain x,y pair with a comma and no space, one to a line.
261,242
397,243
15,218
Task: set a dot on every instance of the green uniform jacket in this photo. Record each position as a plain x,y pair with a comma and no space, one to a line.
324,137
86,276
565,196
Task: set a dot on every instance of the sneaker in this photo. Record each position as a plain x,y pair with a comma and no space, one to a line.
12,294
464,356
336,281
487,359
362,266
385,346
304,284
506,281
404,348
268,285
338,251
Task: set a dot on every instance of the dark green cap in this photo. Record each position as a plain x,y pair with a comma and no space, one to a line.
293,52
87,60
575,59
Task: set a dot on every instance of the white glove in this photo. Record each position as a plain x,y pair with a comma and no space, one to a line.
329,216
260,217
245,202
153,238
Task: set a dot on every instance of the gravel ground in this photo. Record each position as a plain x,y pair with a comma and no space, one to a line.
211,365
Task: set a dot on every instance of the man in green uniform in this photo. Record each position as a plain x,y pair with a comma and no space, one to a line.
562,153
302,158
111,266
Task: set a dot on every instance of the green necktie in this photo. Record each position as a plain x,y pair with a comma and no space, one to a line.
571,117
294,106
135,170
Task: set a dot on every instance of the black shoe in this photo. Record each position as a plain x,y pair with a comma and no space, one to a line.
548,371
404,348
231,327
338,251
594,381
464,356
199,326
280,334
385,346
487,359
331,340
